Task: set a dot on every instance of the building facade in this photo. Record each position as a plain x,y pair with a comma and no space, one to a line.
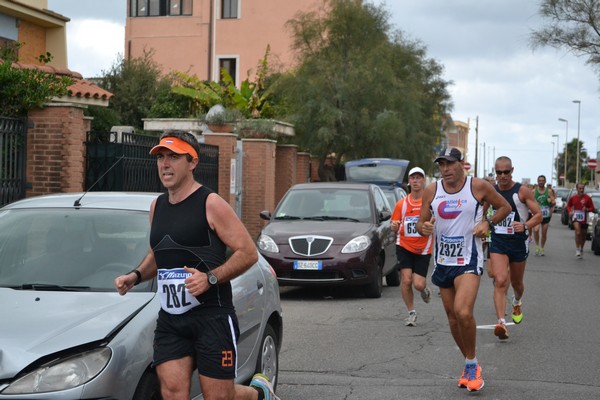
38,29
200,37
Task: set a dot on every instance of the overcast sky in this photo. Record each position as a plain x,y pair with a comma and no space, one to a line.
517,94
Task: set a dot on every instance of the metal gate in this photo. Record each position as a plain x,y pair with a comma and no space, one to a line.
13,152
120,162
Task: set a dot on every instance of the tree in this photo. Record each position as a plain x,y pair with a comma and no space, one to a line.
585,174
573,25
22,89
140,91
360,90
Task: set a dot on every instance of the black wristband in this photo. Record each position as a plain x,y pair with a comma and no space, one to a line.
138,274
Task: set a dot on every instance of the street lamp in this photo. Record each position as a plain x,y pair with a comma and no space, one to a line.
566,146
557,144
552,163
578,102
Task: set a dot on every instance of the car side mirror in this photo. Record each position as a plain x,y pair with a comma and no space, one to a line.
385,215
266,215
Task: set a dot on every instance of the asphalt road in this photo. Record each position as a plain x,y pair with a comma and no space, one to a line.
339,345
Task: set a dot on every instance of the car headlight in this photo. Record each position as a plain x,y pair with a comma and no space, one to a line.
62,374
357,244
265,243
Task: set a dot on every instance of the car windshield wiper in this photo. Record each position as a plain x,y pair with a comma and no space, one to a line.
287,217
330,218
51,287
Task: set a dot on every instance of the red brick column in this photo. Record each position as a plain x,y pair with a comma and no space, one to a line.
258,184
285,169
303,168
56,149
227,152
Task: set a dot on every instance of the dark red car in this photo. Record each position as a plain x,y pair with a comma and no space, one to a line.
331,233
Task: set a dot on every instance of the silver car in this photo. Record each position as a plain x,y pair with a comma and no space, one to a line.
65,333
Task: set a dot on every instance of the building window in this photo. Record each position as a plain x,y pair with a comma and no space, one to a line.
229,65
159,8
229,9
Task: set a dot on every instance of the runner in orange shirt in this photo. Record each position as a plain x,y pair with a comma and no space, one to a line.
412,250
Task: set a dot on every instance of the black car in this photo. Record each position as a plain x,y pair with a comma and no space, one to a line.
331,233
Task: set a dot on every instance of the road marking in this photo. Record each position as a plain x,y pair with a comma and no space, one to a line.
492,326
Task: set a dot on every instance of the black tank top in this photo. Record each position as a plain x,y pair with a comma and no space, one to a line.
181,236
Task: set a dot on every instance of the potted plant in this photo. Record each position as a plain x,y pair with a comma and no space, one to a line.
257,128
221,119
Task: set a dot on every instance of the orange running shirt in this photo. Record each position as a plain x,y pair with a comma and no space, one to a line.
407,211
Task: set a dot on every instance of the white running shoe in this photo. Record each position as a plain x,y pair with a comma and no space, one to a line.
411,320
426,295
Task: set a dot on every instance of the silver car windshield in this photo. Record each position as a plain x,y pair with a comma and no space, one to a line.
70,249
325,204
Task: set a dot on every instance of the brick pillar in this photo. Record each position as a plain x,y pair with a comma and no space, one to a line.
285,169
227,152
303,168
56,149
258,182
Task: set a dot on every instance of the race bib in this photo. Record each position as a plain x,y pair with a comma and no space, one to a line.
545,212
450,250
505,227
174,297
410,226
579,216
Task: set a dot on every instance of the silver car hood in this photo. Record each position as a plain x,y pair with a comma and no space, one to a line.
37,323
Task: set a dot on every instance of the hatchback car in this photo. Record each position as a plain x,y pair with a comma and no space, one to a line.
68,334
561,194
331,233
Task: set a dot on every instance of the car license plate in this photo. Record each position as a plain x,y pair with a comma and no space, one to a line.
308,265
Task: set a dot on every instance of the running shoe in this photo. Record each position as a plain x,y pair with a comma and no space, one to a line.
537,251
261,382
463,380
501,331
426,295
578,253
411,320
475,381
517,313
542,251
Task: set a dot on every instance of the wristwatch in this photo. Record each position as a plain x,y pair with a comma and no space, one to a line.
489,221
212,278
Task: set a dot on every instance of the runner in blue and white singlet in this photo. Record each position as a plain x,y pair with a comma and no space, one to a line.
455,246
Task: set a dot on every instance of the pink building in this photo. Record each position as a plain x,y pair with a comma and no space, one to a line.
199,37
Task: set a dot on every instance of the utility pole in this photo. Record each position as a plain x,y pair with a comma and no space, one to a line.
476,143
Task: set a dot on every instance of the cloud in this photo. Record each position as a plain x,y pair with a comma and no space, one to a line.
94,45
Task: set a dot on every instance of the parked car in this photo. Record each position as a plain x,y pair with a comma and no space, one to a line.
564,215
331,233
393,194
68,334
593,232
561,194
383,172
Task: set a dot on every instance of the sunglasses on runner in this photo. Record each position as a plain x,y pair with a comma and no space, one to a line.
506,172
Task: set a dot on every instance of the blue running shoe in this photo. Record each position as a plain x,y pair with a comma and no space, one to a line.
262,383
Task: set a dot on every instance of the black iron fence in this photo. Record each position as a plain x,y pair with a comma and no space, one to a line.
120,162
13,152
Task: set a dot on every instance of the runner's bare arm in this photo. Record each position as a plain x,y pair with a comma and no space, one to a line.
425,223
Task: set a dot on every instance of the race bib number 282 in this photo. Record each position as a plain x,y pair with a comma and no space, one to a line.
174,297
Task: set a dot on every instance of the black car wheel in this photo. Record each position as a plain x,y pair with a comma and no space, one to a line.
393,278
148,388
268,359
373,290
595,245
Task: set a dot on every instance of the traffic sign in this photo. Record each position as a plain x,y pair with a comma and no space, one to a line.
562,177
467,166
591,164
